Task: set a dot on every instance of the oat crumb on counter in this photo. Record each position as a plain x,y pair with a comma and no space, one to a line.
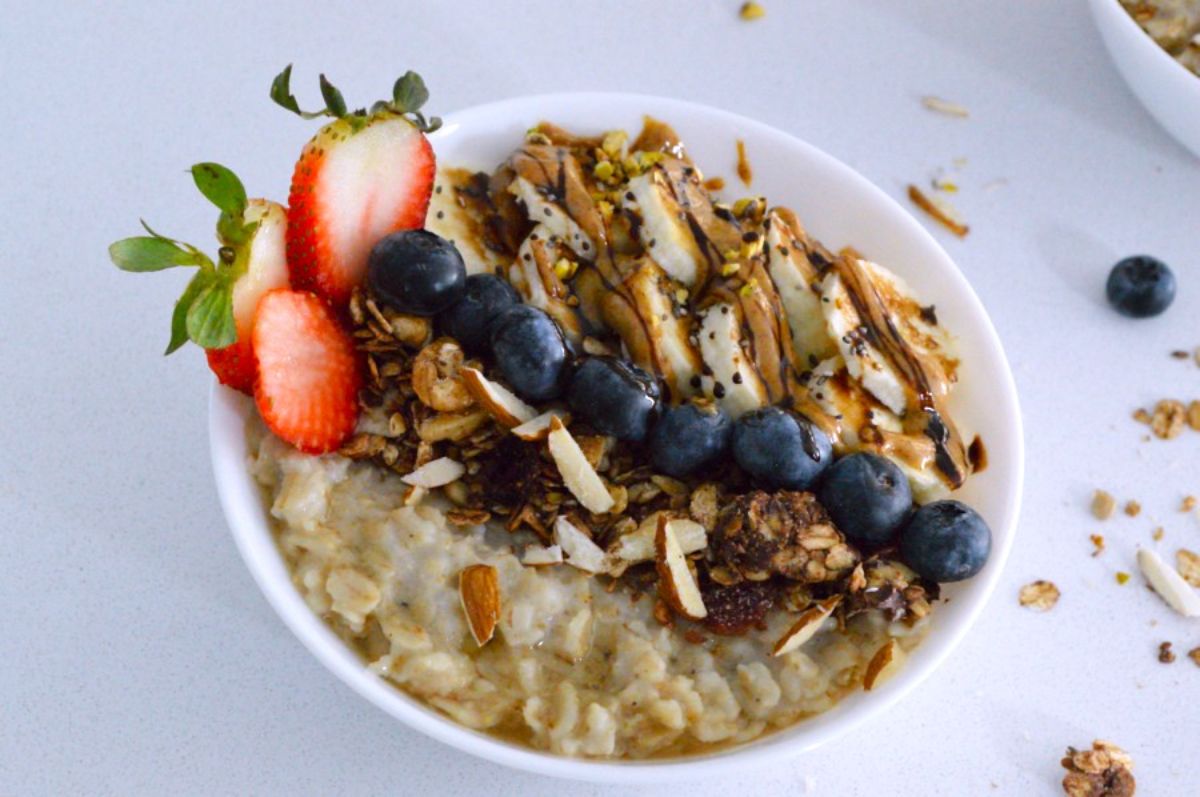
1103,504
946,107
1165,654
1133,508
1097,544
1188,564
1039,595
1194,655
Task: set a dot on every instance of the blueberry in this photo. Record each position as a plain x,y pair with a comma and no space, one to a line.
469,321
946,541
416,272
867,496
780,449
614,397
688,437
530,352
1141,286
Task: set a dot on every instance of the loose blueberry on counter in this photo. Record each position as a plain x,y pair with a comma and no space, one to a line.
1140,286
469,321
946,541
416,272
780,449
867,496
530,352
614,397
688,437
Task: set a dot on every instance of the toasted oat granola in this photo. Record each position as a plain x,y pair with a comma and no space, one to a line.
1103,771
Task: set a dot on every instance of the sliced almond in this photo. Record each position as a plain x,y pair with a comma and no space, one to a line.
577,473
451,425
541,555
677,585
580,551
498,400
638,545
438,473
883,664
806,626
1169,585
539,427
479,592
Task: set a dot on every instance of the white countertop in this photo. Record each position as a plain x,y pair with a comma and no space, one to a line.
138,656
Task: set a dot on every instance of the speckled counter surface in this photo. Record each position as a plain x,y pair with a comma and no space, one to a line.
139,657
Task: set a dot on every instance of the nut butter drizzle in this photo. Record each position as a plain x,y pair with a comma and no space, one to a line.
950,455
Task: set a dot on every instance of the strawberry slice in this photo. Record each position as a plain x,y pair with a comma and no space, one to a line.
308,371
266,269
362,176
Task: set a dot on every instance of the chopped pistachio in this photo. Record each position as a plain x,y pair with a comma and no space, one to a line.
614,143
604,170
681,295
751,11
749,288
565,269
1122,577
729,269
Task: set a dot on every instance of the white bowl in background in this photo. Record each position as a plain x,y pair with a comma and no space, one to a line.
1167,89
835,204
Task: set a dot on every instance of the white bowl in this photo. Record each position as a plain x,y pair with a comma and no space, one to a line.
1165,87
838,206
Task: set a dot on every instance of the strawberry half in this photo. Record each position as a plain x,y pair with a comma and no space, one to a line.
308,371
266,269
362,176
351,187
216,310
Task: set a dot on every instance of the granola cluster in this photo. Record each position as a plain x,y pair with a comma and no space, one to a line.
1103,771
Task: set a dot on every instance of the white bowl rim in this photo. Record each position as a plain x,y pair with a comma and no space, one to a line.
240,501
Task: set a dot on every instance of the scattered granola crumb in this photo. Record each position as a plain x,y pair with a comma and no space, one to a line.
1122,577
1165,654
1180,354
1188,503
1196,356
1188,564
1104,771
1194,655
1168,418
1133,508
1097,544
1039,595
1103,504
1193,415
751,11
1141,416
946,107
1157,534
939,210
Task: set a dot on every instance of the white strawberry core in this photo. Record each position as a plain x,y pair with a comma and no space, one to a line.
267,266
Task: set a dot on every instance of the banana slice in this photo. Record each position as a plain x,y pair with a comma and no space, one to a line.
732,379
854,342
534,274
798,282
663,231
643,313
917,324
451,216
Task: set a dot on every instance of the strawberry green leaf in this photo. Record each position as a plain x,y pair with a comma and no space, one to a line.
210,321
409,93
333,98
281,93
143,253
221,186
179,332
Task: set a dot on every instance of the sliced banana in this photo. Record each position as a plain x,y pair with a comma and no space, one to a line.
863,360
453,221
644,314
731,380
664,232
534,274
798,281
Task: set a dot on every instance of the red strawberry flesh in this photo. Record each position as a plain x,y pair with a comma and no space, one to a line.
308,371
